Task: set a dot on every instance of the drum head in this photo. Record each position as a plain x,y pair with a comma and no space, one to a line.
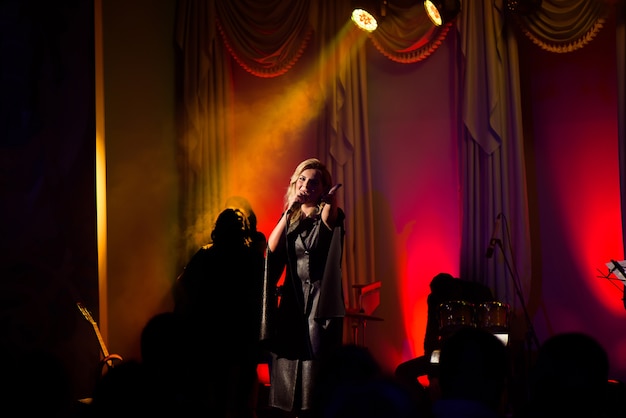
493,316
455,314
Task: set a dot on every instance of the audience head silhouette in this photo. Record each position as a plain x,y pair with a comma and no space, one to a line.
569,377
351,383
161,339
473,372
123,389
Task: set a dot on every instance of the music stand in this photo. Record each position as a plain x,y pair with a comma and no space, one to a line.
368,299
618,268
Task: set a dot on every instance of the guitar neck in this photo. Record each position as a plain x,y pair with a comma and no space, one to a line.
94,324
103,347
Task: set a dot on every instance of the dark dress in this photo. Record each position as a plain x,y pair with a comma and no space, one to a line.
308,321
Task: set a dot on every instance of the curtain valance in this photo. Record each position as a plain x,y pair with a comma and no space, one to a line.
265,38
564,25
407,35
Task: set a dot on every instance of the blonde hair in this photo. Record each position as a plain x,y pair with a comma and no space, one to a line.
310,163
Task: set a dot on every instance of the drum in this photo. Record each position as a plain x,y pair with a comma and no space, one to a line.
493,316
455,314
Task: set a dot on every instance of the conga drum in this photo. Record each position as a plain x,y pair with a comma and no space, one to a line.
455,314
494,317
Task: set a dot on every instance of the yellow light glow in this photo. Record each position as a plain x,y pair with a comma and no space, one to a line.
433,12
364,20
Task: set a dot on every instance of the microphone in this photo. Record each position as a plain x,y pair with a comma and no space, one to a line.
294,206
493,241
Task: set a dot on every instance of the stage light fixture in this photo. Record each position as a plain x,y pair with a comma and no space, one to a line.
523,7
442,11
368,15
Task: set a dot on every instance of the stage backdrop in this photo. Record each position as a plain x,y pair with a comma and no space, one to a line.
48,235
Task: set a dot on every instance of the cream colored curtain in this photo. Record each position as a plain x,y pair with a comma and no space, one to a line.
205,131
564,25
406,35
343,135
494,179
493,144
267,38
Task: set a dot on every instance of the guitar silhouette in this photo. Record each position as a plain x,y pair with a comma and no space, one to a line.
108,359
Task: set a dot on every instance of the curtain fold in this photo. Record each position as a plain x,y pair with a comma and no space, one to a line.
492,153
406,35
204,125
265,38
343,134
564,25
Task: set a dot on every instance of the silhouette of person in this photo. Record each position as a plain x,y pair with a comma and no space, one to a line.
163,347
570,378
259,240
443,288
347,366
473,375
123,390
351,383
307,245
382,397
226,273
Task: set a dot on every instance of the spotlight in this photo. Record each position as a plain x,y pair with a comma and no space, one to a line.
367,15
442,11
524,7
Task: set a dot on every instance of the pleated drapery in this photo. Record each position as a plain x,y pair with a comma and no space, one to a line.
267,39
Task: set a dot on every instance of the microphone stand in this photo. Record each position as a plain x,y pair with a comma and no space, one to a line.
531,336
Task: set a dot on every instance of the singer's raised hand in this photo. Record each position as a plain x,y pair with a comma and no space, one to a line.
329,198
334,188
